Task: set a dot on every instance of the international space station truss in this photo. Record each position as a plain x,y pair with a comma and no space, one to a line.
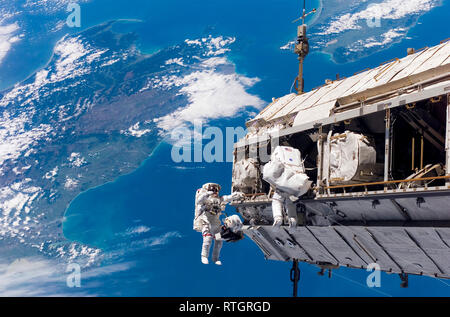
377,147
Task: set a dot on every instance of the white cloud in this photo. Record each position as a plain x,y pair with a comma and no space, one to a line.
20,278
15,139
72,56
51,174
15,205
211,92
8,36
50,6
79,252
214,45
211,95
214,62
107,270
387,37
125,247
178,61
72,59
35,276
70,183
76,160
193,42
110,62
388,9
137,230
20,170
163,239
136,131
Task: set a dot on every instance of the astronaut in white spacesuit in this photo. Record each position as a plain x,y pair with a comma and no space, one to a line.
285,172
208,208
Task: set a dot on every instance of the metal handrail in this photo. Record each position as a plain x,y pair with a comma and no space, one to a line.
255,194
388,182
362,71
388,64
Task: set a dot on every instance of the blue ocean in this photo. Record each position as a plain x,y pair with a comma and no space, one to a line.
142,219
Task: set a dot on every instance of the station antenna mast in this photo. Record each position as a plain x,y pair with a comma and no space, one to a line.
301,48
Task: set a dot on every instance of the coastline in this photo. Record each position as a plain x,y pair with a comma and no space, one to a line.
117,179
318,12
46,64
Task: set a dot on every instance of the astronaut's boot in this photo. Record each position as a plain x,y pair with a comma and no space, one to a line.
207,241
292,223
216,251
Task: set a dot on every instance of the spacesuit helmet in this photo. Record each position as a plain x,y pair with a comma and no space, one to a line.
213,187
234,223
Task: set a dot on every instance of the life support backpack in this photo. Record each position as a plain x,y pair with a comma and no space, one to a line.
286,172
198,210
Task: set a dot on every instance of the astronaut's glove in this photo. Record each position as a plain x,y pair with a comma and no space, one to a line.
237,196
234,196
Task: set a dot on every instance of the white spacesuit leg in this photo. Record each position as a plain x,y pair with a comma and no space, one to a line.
215,229
216,251
207,241
277,209
292,212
